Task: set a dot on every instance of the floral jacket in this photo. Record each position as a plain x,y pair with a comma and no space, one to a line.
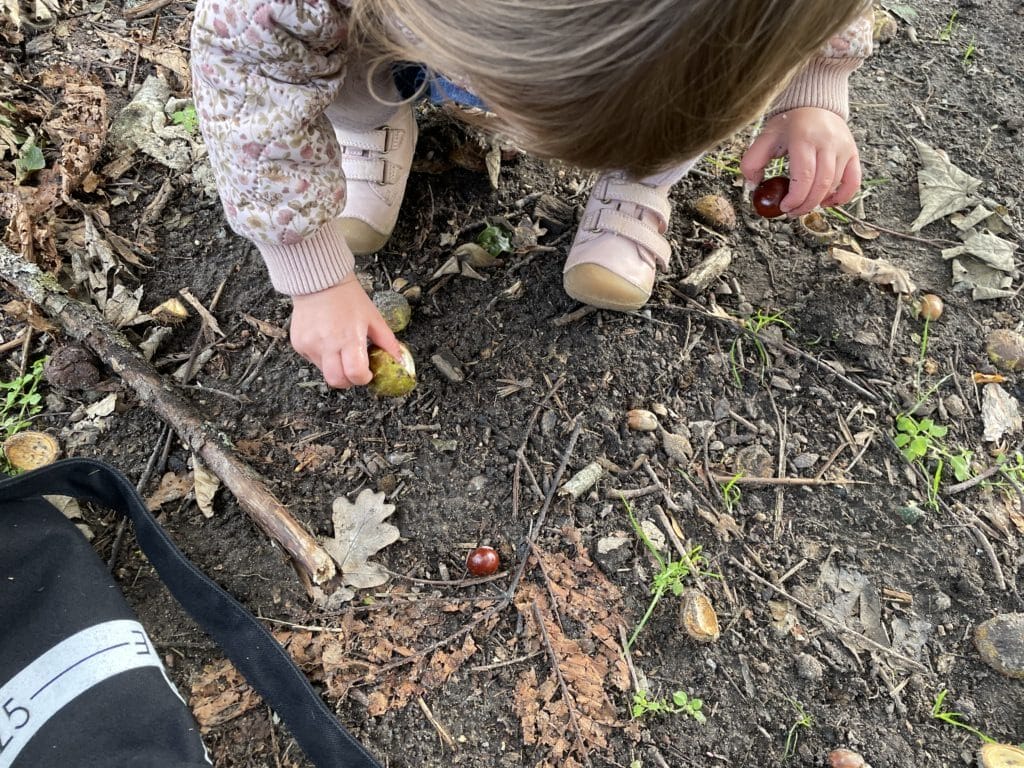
265,71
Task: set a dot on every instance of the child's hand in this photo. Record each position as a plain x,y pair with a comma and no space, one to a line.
824,165
330,329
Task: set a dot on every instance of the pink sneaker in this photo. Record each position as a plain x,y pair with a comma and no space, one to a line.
376,165
620,243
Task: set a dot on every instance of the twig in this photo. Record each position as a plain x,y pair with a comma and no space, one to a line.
896,233
829,621
633,674
84,323
669,501
632,493
145,9
507,663
966,485
447,582
14,343
441,730
517,578
25,347
521,451
670,531
997,569
570,705
158,451
547,585
573,316
781,481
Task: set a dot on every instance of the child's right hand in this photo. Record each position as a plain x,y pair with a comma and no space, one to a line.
330,329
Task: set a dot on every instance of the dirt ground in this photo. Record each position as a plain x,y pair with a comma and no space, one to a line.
847,602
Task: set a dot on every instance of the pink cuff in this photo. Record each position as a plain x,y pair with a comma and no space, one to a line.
319,262
823,83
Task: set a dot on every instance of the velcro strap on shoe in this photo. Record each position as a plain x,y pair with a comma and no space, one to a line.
373,169
612,189
649,239
372,141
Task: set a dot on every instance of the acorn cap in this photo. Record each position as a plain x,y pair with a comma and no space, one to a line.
31,450
1000,756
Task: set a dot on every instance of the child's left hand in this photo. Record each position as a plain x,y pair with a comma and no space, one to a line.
824,164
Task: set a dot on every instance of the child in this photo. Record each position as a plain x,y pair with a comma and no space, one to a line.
311,143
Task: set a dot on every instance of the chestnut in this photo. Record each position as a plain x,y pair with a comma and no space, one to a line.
483,561
768,196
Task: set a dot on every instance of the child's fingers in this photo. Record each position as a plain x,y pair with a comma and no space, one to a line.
764,149
381,335
803,170
356,364
848,185
333,370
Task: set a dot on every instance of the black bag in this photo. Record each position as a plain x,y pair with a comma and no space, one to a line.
80,682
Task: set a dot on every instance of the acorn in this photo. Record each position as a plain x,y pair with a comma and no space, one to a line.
391,378
640,420
846,758
394,308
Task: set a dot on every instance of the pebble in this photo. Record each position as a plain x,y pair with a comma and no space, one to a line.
1005,349
809,668
677,447
805,460
954,405
755,461
1000,641
943,602
448,366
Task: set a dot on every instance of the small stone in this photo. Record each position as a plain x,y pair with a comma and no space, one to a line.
809,668
755,461
954,406
476,483
448,366
943,602
640,420
613,553
677,447
1000,642
805,460
1005,349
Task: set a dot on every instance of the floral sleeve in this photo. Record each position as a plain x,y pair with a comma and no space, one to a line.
823,82
264,71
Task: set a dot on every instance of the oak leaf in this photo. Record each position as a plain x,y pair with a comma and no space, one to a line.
359,533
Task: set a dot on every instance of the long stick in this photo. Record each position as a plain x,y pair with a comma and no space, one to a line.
84,323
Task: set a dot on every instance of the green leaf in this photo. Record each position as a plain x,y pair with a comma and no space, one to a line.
906,424
187,118
29,160
901,439
918,447
495,240
680,698
938,431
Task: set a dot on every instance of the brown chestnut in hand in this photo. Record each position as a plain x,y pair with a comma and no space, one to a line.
768,196
483,561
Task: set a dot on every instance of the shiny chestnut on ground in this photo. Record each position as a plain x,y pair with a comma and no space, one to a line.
483,561
768,196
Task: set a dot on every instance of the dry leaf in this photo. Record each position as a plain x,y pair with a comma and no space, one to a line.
173,487
877,271
359,533
985,264
206,485
1000,413
267,329
943,187
220,695
81,124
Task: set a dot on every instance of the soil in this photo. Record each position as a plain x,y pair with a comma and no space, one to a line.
467,462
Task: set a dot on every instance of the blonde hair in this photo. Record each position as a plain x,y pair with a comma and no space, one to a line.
631,84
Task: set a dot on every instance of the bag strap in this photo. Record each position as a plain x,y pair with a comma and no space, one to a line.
246,642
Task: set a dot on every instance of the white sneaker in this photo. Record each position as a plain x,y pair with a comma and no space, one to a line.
376,165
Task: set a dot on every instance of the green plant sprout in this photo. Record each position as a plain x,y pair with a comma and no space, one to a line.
949,717
969,54
495,240
680,703
923,440
670,575
725,161
947,32
186,118
22,400
731,493
754,325
803,720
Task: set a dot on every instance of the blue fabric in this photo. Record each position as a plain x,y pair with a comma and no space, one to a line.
440,90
